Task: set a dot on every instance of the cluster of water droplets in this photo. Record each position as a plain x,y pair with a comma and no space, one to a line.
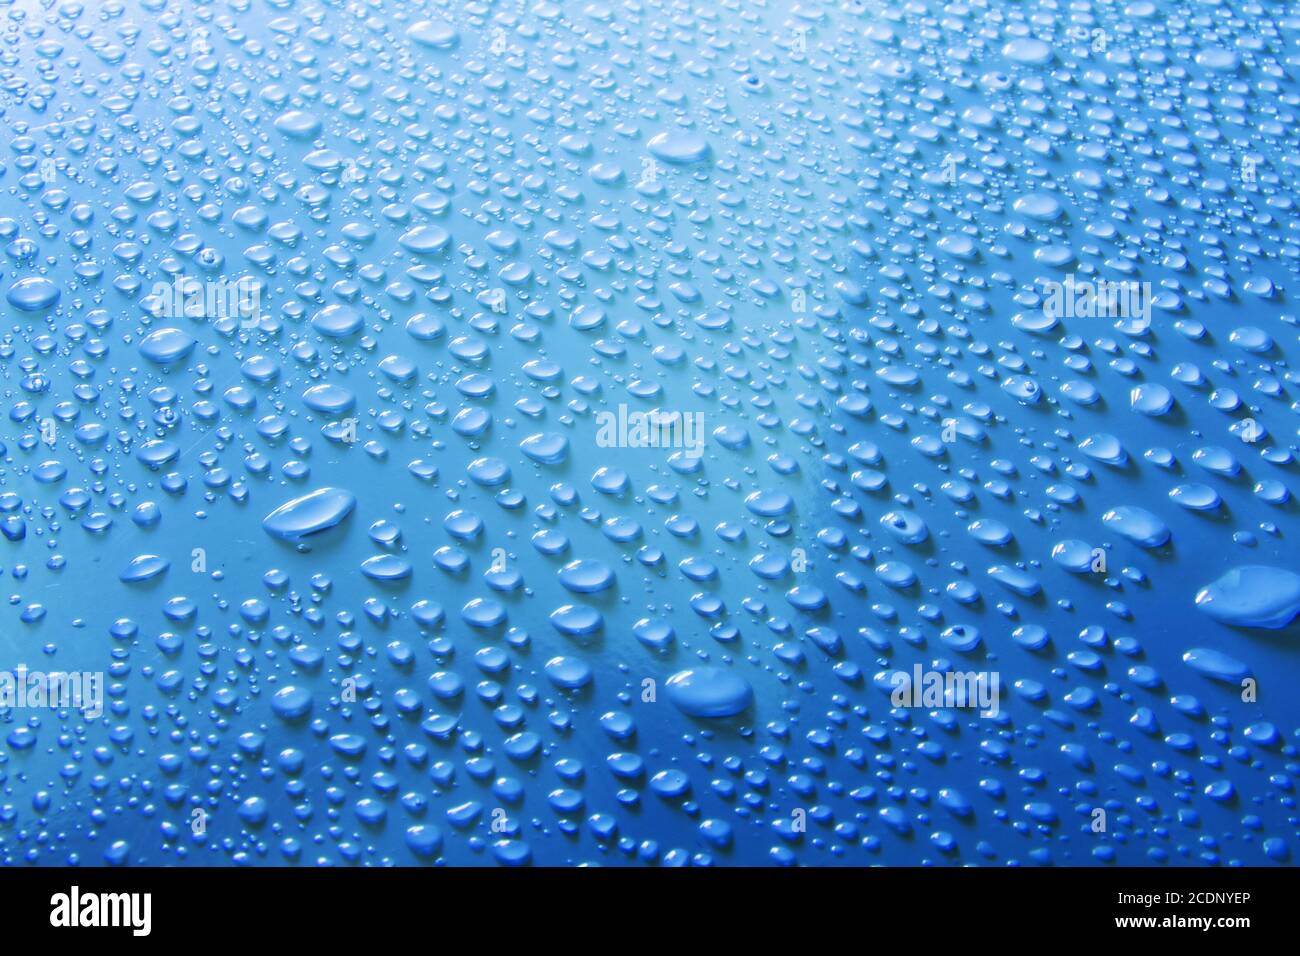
366,586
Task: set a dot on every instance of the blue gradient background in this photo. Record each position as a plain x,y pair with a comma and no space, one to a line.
824,174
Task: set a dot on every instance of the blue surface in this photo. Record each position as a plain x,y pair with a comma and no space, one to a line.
370,587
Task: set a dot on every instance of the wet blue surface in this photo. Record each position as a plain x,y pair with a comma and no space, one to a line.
350,363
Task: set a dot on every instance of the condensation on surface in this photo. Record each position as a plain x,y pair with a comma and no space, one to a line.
495,432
